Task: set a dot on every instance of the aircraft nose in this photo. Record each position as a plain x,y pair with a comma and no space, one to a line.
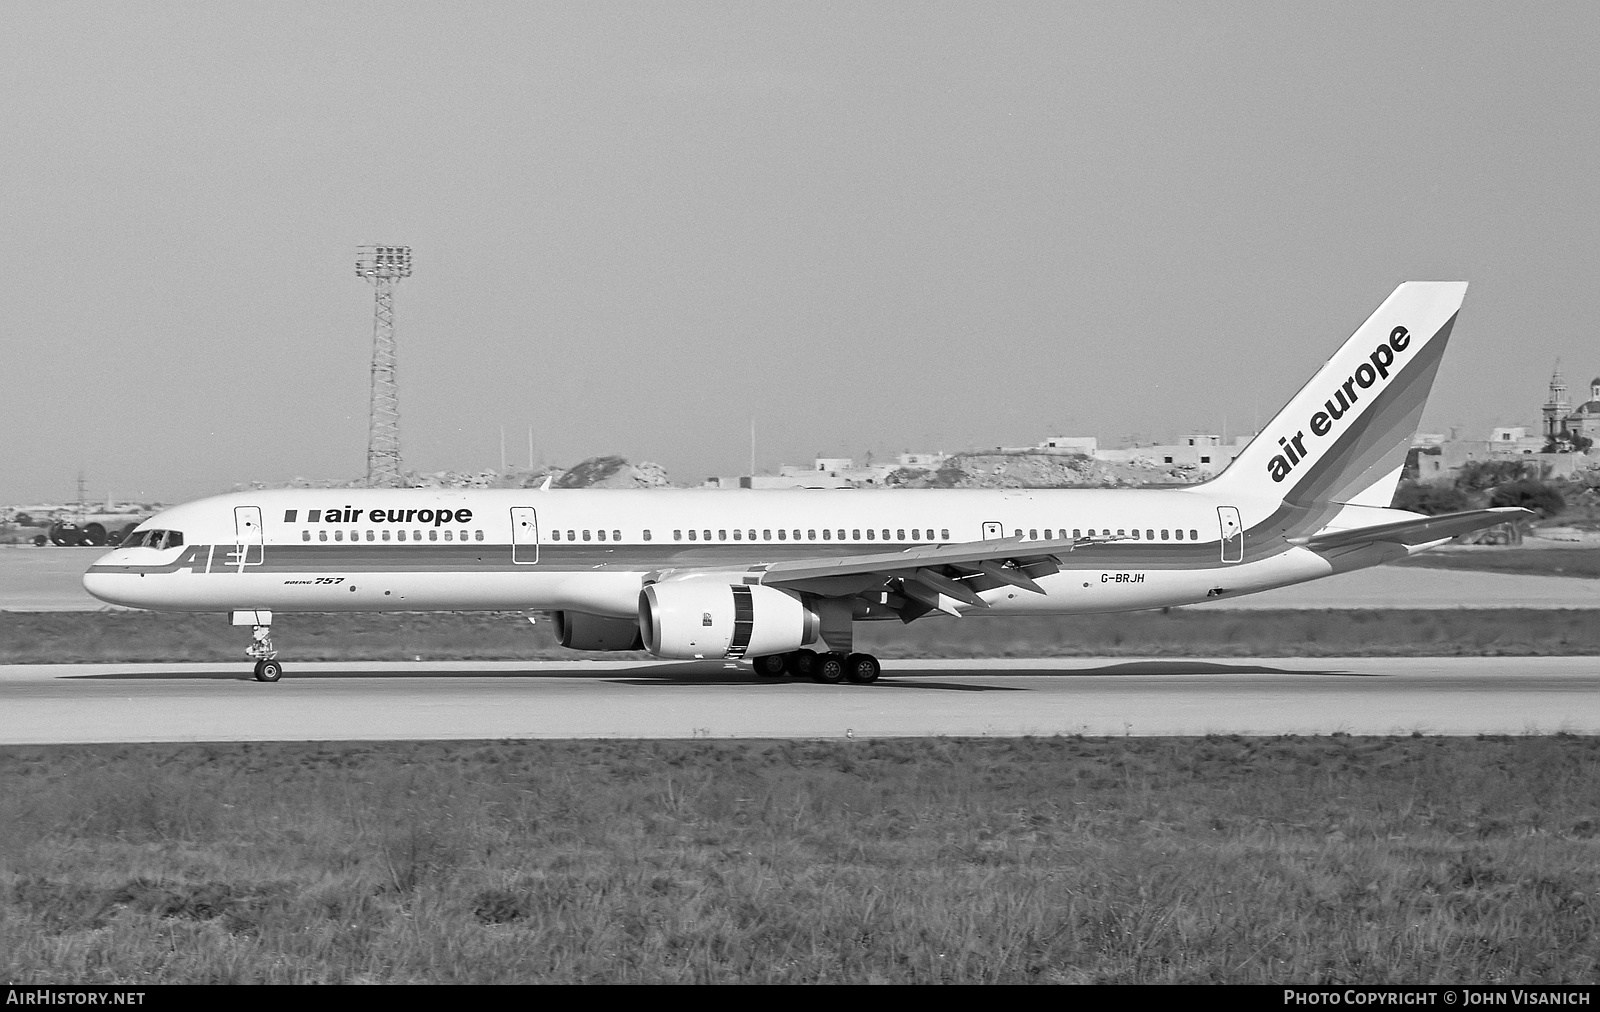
110,587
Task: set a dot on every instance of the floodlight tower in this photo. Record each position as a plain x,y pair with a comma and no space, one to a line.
384,266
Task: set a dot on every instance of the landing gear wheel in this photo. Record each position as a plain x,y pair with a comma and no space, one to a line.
863,669
828,669
268,671
771,666
802,662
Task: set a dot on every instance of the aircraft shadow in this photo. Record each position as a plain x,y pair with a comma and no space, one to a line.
699,673
1172,667
294,673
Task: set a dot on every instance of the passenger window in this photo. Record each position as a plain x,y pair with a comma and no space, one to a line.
1018,533
855,535
677,535
886,534
386,535
1033,535
870,533
1136,534
647,535
305,535
476,535
400,535
782,534
723,535
766,535
944,534
841,535
447,535
601,534
900,535
826,535
616,535
692,535
416,535
555,535
1121,532
586,534
705,618
1077,533
1178,535
707,535
1194,535
338,535
433,535
1149,535
752,535
736,536
322,535
811,535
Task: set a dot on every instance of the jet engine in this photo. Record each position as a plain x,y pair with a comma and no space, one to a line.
579,630
707,617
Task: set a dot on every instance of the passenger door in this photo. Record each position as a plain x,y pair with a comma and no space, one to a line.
249,543
524,535
1232,533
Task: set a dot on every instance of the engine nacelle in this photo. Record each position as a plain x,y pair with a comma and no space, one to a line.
579,630
707,617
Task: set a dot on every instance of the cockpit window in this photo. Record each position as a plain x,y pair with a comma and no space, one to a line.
153,539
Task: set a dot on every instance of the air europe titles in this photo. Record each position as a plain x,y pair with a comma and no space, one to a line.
1344,398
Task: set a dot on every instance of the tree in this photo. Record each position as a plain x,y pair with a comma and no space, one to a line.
1542,497
1480,475
1429,499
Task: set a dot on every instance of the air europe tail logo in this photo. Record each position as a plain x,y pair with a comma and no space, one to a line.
1344,398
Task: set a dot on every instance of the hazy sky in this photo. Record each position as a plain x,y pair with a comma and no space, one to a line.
870,226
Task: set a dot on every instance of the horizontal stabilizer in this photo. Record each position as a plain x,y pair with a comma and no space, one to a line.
1414,532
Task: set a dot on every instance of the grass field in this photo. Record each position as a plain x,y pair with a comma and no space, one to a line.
61,637
1584,562
1232,860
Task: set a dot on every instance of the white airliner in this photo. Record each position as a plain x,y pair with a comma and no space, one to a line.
780,577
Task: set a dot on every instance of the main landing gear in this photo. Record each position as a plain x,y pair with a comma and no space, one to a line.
827,668
267,667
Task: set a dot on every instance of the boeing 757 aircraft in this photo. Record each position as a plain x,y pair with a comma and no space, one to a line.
781,577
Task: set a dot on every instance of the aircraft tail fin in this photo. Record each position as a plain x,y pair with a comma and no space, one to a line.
1343,438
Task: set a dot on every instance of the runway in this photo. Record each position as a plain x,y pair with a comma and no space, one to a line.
84,703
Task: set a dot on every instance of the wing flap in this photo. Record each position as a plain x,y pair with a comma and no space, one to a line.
1414,532
889,564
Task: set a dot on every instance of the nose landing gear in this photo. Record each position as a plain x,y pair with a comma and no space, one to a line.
267,667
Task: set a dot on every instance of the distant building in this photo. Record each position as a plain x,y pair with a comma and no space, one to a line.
1203,451
1565,425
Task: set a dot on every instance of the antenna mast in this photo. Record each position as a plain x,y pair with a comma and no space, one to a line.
384,266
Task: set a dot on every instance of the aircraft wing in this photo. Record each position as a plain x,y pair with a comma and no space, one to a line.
1414,532
922,577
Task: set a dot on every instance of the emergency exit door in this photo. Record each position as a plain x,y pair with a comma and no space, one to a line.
248,540
1232,533
524,535
993,530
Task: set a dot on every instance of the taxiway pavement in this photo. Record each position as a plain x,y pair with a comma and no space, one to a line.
83,703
